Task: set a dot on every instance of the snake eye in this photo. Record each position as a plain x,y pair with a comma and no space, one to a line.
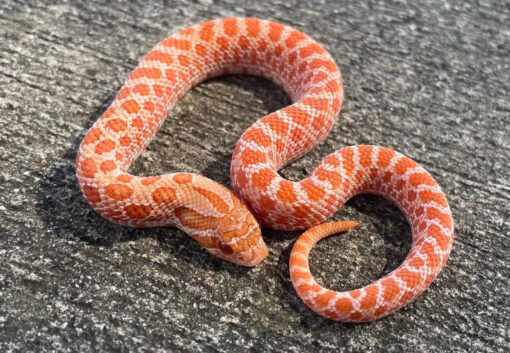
225,248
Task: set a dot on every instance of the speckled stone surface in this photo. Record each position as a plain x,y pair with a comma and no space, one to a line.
426,78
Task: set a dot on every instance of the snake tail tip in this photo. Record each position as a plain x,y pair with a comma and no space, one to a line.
342,226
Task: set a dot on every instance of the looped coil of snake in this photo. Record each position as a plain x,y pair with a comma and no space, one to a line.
226,223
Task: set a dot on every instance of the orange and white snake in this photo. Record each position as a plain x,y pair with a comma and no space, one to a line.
214,215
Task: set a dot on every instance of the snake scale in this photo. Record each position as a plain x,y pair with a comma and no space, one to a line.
228,226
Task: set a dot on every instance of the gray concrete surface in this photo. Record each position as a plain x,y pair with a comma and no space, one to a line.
427,78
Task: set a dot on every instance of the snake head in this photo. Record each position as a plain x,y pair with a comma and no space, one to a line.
232,234
239,238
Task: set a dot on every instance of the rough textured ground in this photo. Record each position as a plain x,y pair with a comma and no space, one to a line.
427,78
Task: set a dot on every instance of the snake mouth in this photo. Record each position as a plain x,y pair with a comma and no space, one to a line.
253,256
257,254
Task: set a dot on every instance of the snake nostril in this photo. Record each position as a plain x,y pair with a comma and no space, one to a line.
225,248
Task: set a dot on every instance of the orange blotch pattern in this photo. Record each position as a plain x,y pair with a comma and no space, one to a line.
142,89
365,155
149,107
118,191
434,213
428,196
286,192
263,178
230,26
370,298
152,73
164,195
92,136
222,43
150,180
298,115
320,104
182,178
411,279
88,167
333,177
325,298
404,164
117,125
200,50
91,194
105,146
137,123
347,160
313,191
138,211
253,27
277,125
125,141
421,178
258,136
384,157
108,166
344,306
311,49
332,160
184,60
160,56
275,31
253,157
123,93
125,178
181,44
243,42
442,240
391,289
294,38
131,106
416,262
207,31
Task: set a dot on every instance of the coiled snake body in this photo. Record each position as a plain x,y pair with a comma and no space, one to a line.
214,215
